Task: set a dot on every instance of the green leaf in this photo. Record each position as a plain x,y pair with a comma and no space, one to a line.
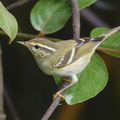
91,81
84,3
112,42
49,16
8,23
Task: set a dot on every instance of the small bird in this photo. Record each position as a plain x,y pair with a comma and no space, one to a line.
65,58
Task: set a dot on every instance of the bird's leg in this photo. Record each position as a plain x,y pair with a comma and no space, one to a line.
60,91
74,80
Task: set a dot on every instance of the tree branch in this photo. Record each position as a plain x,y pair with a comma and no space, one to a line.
76,19
10,105
108,50
55,103
27,36
76,35
20,35
17,4
1,87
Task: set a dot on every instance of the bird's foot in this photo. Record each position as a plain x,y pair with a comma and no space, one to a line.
58,94
66,79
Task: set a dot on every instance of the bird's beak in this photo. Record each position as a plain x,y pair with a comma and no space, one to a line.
23,43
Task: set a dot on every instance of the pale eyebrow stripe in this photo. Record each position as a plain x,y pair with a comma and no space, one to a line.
47,47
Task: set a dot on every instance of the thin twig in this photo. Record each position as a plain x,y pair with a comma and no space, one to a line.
17,4
55,103
25,36
29,36
10,105
76,19
76,35
108,50
1,86
20,35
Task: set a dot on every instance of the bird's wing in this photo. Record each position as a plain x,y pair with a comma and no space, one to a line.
80,48
63,54
83,46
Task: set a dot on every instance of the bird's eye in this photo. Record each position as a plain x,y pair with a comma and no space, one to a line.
37,46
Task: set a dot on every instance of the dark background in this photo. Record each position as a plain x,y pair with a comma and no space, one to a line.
31,91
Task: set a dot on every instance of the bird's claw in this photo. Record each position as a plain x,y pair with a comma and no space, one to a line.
65,79
58,94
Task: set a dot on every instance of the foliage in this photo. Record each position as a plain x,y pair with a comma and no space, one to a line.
49,16
8,23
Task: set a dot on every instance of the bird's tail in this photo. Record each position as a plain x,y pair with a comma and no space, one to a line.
98,40
109,33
